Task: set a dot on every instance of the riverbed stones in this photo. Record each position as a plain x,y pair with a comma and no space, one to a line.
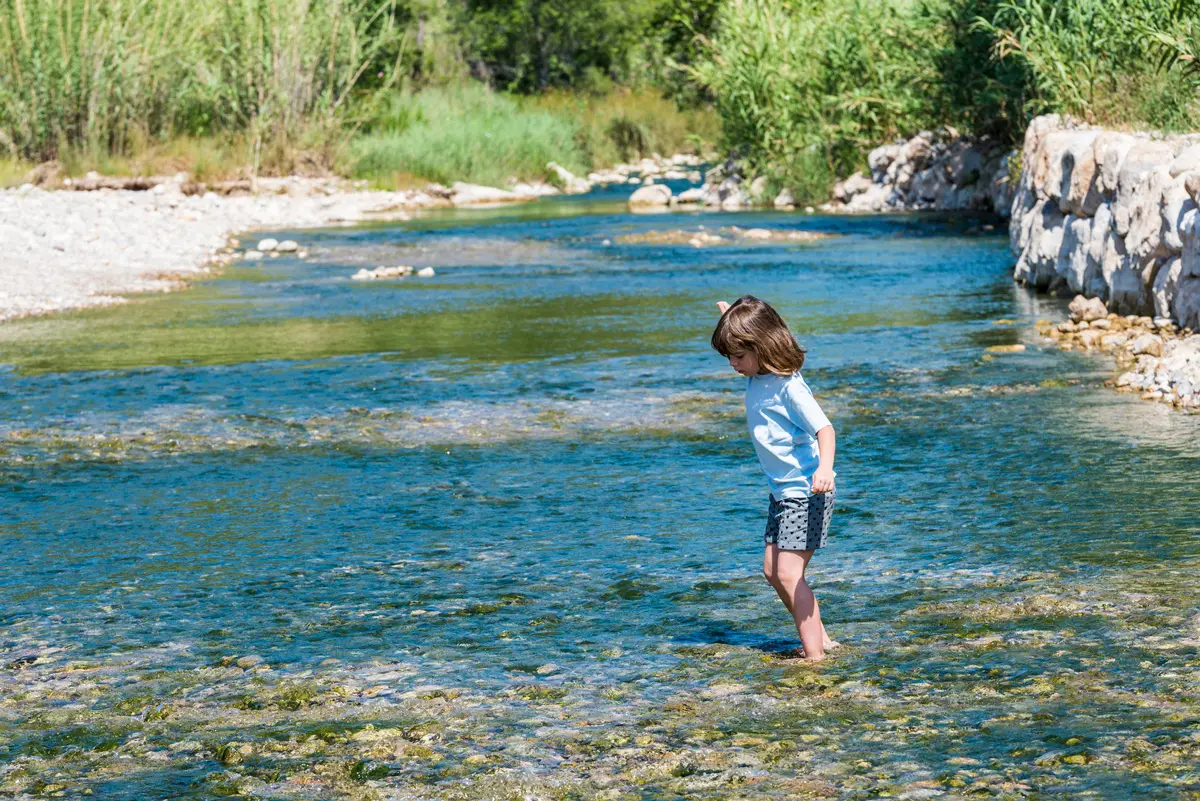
266,245
287,246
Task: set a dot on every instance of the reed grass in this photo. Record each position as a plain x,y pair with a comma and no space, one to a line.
471,133
465,133
622,125
102,76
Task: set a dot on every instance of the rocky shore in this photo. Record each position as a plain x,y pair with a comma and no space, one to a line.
933,171
1158,359
1113,216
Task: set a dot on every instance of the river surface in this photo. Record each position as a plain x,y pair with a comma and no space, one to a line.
497,533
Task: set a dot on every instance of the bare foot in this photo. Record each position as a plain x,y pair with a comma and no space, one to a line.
829,644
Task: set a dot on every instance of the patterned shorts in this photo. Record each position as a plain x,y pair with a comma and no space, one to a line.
799,524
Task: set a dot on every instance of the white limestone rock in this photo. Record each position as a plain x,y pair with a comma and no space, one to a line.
652,196
1136,181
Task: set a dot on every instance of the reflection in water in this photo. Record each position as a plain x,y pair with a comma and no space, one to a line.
494,534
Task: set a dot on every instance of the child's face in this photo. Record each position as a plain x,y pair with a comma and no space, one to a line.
745,363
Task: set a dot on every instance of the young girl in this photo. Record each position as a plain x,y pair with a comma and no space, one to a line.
795,445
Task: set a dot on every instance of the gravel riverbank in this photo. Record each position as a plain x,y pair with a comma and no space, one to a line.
69,249
64,249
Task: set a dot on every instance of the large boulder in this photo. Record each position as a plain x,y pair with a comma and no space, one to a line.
856,184
964,165
1144,235
1165,285
1074,263
1108,151
1176,203
571,183
1188,160
1037,262
909,161
1133,185
1189,235
929,186
880,159
650,196
1078,193
1185,306
1048,160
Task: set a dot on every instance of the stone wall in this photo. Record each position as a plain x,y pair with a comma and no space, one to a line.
936,171
1110,215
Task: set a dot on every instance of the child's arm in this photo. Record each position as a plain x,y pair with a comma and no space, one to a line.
827,445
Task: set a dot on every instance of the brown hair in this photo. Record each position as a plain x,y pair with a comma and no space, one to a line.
749,324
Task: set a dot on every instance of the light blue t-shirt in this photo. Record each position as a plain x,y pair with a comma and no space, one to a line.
784,419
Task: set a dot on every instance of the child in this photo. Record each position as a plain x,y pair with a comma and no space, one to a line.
795,445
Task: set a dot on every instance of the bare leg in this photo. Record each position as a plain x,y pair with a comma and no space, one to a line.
784,570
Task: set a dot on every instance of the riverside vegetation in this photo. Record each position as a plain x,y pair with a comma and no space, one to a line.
381,89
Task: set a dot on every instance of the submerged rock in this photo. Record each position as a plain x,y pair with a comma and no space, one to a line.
398,271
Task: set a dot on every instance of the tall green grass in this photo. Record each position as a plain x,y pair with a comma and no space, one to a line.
465,133
106,75
474,134
620,126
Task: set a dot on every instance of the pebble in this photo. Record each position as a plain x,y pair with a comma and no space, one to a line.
287,246
254,255
250,661
267,245
426,272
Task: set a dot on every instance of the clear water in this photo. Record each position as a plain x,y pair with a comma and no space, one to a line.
496,534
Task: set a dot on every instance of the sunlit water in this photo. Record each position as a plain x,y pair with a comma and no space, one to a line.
497,533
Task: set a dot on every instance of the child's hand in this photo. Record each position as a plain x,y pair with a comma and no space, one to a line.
722,306
822,480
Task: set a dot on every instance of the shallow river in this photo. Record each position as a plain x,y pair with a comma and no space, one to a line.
497,533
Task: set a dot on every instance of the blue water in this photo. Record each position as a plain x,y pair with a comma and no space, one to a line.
518,497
